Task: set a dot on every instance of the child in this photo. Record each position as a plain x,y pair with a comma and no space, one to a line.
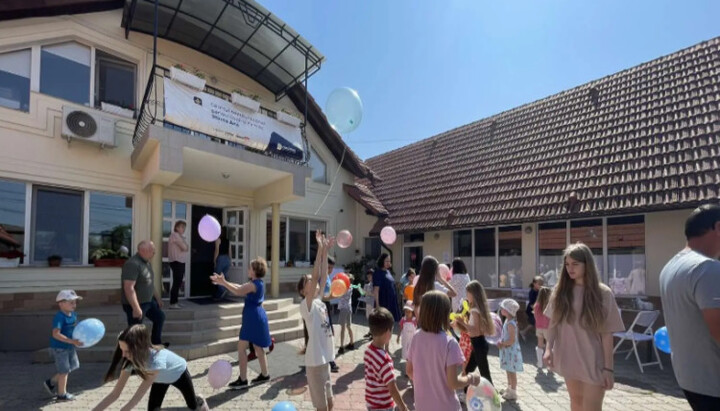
435,358
345,320
510,354
479,324
583,317
380,387
158,367
532,297
541,323
63,345
408,326
255,329
460,279
319,350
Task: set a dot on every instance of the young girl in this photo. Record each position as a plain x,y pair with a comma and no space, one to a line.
460,279
510,354
157,366
430,279
478,325
255,327
435,358
583,317
408,326
541,323
532,297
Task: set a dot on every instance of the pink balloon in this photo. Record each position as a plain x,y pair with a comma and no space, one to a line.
415,280
445,272
387,235
219,374
497,322
344,239
209,228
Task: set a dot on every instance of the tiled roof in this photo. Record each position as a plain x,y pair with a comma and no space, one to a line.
361,193
647,138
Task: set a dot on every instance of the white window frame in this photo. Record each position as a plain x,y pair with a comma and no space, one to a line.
32,59
314,153
308,235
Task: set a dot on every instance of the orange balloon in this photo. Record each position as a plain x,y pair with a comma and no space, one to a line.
338,288
409,290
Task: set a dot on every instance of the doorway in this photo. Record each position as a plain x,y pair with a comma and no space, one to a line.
202,254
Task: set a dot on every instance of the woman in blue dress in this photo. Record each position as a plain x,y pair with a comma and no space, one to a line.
384,287
255,329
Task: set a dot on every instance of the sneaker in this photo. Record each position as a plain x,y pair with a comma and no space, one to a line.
202,404
65,397
175,306
239,383
334,367
341,350
350,346
49,387
510,394
260,379
166,344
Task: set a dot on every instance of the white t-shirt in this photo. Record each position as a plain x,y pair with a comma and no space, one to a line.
320,349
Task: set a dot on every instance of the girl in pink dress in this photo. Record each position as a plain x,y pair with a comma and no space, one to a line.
583,316
541,323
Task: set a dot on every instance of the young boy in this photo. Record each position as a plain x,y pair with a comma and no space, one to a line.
319,350
62,344
380,387
345,320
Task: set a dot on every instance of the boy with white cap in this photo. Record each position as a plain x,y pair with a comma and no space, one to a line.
63,345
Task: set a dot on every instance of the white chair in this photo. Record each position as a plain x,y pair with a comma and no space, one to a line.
367,300
644,319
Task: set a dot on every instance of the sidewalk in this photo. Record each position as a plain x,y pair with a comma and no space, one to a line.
21,383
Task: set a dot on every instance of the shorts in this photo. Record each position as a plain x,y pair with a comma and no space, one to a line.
66,360
541,332
319,384
345,317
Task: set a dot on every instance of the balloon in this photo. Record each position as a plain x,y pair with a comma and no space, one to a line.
444,272
465,310
359,288
89,332
662,340
483,397
409,290
415,280
344,109
124,250
284,406
344,239
495,338
209,228
387,235
219,374
344,278
338,288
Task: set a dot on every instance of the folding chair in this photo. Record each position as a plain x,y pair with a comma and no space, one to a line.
368,299
644,319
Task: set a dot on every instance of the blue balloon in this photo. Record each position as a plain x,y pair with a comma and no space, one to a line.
662,340
284,406
344,109
89,332
327,287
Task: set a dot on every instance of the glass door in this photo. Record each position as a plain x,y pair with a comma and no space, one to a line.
236,221
174,211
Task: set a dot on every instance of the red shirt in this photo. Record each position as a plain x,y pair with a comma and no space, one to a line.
378,373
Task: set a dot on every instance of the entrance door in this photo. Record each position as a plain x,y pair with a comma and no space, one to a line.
236,221
202,254
173,211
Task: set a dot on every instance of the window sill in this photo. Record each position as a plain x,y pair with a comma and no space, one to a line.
68,266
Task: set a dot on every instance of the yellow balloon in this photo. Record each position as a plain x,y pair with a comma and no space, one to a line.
465,310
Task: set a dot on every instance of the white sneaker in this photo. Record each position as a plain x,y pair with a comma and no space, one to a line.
175,306
510,394
204,406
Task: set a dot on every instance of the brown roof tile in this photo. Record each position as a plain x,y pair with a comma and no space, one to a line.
361,193
647,138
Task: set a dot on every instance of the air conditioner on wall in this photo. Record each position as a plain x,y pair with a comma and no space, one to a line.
87,125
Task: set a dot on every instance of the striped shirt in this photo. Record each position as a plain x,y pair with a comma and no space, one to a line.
378,374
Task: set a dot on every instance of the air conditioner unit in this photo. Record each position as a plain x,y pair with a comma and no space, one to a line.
87,125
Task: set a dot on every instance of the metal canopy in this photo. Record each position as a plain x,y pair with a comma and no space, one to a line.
240,33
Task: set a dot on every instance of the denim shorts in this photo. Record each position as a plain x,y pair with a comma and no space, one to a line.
66,360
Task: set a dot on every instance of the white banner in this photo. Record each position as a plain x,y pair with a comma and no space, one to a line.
199,111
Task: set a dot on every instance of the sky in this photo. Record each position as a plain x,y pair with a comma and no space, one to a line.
424,67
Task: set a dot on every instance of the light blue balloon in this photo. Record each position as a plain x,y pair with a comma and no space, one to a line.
662,340
89,332
284,406
344,109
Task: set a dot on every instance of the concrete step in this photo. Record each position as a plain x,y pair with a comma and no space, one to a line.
213,334
223,320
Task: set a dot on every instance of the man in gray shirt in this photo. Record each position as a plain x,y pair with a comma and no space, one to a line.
690,292
139,297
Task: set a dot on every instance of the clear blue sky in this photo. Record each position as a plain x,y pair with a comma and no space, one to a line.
423,67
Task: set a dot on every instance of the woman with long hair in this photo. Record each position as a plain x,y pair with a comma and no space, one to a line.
583,317
429,279
384,287
177,256
460,279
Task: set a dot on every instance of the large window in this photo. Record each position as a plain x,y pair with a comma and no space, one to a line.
15,80
110,223
552,240
299,235
114,81
372,248
318,166
485,262
65,72
12,219
57,225
412,257
626,254
462,247
510,257
589,232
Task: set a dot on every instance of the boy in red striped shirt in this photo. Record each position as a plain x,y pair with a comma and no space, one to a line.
380,387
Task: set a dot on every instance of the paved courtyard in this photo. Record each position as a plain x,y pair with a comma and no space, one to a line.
21,383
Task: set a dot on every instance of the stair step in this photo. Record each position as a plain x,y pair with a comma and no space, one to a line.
223,320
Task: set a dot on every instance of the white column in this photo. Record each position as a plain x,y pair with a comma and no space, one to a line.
275,251
156,235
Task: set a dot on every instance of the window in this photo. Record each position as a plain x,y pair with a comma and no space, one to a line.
283,238
299,235
462,247
626,254
298,240
15,80
110,223
114,81
12,219
485,263
65,72
510,253
552,241
372,248
412,258
57,225
589,232
414,238
319,168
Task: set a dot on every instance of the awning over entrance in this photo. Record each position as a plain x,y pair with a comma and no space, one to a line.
240,33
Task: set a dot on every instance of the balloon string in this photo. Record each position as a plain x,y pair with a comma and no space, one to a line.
342,158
